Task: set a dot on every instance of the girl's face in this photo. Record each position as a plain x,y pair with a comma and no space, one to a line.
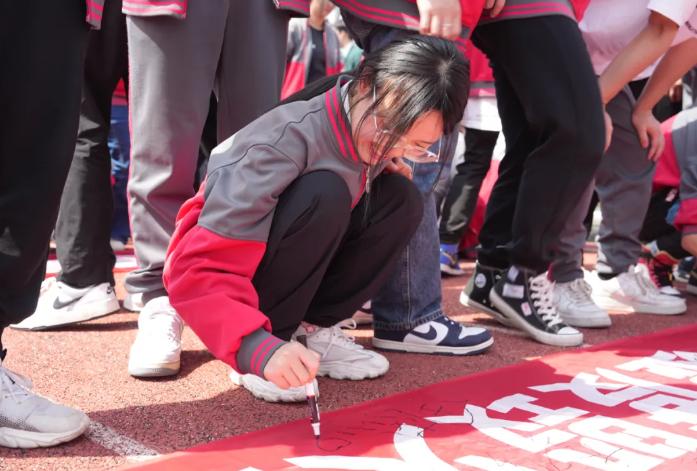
413,145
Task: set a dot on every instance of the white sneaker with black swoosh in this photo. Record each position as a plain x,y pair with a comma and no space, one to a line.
61,304
441,336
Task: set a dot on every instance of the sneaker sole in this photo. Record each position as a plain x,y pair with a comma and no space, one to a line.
448,270
341,371
155,371
267,396
102,310
13,438
587,322
466,301
396,346
555,340
612,304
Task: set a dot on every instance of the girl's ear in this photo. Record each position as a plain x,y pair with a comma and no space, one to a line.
363,88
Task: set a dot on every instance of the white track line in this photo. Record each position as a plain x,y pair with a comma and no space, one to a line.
120,444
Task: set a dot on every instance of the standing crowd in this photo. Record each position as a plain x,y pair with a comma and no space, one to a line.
287,168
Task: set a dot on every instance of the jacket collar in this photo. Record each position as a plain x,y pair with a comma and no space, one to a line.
339,122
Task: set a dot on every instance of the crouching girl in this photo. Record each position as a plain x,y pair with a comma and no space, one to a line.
304,213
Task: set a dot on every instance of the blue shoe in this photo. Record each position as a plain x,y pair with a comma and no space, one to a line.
442,335
449,260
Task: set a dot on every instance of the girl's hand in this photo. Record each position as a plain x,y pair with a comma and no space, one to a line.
292,366
494,7
649,131
608,129
397,165
442,18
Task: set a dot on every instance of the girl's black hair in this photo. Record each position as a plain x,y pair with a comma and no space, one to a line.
419,74
414,75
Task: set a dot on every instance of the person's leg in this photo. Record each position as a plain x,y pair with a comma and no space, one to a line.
120,150
550,74
41,100
172,66
84,220
572,293
462,197
623,182
252,65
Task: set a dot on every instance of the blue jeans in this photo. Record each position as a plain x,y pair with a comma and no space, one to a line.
119,150
412,296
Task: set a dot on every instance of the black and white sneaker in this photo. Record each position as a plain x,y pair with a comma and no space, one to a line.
441,335
692,282
527,300
476,292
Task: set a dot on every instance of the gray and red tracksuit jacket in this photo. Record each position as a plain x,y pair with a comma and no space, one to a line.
221,233
300,54
93,13
677,167
177,8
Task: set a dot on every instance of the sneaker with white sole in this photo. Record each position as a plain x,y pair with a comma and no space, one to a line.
28,420
61,304
441,336
156,350
266,390
449,261
475,294
364,315
633,291
576,307
340,356
527,300
133,302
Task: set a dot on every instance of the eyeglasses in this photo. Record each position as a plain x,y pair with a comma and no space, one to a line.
416,154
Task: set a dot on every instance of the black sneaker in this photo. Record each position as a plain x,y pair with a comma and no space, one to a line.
441,335
682,271
527,300
692,283
476,292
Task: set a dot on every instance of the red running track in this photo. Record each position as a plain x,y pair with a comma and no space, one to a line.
85,366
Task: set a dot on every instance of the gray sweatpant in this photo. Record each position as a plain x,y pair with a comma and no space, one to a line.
235,48
623,182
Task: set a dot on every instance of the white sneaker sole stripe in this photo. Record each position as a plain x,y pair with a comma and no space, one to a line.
415,348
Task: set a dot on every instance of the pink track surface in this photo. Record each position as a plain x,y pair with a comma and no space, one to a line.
85,366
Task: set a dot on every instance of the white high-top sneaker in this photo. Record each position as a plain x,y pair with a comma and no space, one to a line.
340,356
575,305
633,291
157,347
28,420
61,304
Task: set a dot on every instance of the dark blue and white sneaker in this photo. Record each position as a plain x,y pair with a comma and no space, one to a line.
476,292
449,260
441,335
527,301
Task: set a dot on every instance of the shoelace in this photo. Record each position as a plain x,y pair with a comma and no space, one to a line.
14,385
542,295
166,321
337,336
579,291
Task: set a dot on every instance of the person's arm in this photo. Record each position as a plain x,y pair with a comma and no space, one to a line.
645,49
214,255
676,62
